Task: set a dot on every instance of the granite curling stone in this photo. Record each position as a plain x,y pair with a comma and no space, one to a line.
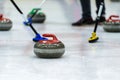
51,48
112,24
39,17
5,24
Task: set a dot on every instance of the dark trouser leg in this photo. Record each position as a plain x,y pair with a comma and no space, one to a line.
98,2
86,8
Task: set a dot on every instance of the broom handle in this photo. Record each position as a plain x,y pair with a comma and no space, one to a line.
43,1
23,16
19,10
98,16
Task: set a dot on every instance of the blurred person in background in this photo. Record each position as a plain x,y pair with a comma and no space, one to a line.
86,13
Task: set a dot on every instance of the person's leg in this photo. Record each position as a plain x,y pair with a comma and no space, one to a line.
86,8
98,2
86,14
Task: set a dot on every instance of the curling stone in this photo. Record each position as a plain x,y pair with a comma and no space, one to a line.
5,24
51,48
112,24
39,17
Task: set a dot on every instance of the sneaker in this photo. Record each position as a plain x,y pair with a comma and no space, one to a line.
83,21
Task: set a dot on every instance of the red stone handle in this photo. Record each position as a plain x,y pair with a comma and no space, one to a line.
49,41
113,20
2,18
50,35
